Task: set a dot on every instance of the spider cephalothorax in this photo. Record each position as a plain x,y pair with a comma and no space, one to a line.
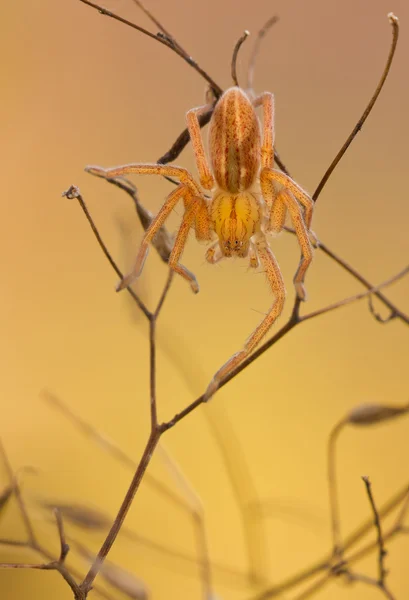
249,198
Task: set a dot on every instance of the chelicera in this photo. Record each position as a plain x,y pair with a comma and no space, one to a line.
249,199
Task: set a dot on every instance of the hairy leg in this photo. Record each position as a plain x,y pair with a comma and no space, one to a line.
303,238
179,245
205,174
275,279
266,100
147,169
158,221
268,176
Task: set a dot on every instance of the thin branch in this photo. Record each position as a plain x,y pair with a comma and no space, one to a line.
256,48
294,320
164,294
337,548
395,34
191,407
352,271
32,542
163,38
197,513
73,192
163,240
353,577
19,497
156,430
152,373
382,572
182,140
64,547
88,581
377,316
157,23
237,47
112,448
356,297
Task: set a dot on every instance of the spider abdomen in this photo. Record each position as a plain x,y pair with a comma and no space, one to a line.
234,141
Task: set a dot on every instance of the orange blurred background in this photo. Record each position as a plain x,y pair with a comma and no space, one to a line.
79,88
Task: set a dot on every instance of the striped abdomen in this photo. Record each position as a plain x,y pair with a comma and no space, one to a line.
234,141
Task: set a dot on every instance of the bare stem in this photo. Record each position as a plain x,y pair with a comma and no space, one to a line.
395,34
337,548
237,47
356,297
162,38
73,192
123,511
377,521
19,497
64,547
256,49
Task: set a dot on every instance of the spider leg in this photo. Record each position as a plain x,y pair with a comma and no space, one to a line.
214,253
188,189
288,183
147,169
205,174
179,245
266,100
278,214
277,285
168,206
303,238
287,200
277,209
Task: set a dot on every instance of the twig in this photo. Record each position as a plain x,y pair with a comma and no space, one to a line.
163,240
182,140
398,314
237,47
326,563
337,548
123,511
377,316
395,34
356,297
32,542
197,514
293,321
63,543
352,271
382,572
17,492
157,23
163,38
256,48
73,192
157,430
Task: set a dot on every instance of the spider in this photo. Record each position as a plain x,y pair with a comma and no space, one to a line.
249,199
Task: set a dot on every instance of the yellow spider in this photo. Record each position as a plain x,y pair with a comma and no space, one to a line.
249,199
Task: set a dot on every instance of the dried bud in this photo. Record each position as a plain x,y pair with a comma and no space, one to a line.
81,515
368,414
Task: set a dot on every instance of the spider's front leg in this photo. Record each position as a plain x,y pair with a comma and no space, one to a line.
276,281
282,202
195,208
